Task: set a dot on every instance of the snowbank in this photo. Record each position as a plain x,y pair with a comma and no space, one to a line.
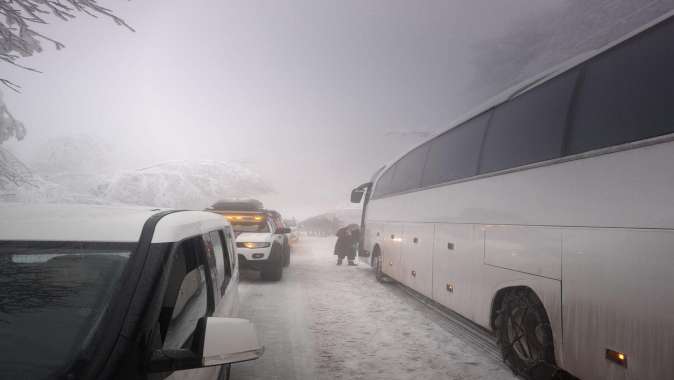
38,190
78,170
184,184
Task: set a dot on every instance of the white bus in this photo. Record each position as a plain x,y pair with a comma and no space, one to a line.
547,216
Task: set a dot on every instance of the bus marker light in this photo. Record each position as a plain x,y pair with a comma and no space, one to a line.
450,288
414,273
617,357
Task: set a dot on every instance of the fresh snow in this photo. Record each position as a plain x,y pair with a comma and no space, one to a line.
323,321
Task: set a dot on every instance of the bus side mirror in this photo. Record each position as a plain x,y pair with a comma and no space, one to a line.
357,195
358,192
217,341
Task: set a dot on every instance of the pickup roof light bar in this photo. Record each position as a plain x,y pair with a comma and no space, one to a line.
245,218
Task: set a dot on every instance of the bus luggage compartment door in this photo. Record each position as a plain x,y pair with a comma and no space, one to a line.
416,257
457,258
391,245
527,249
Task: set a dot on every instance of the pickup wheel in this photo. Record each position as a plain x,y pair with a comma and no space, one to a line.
286,256
272,273
273,270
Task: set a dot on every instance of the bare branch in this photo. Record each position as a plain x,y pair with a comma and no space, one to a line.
11,85
19,39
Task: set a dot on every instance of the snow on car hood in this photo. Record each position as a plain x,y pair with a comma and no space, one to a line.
254,237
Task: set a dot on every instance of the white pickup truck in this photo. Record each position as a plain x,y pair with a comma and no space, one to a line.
260,244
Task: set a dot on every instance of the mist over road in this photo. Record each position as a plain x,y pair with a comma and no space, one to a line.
324,321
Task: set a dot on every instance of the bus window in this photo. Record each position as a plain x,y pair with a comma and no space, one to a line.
454,155
384,184
409,170
627,93
529,128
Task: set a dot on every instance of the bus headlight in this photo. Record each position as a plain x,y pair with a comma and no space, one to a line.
252,245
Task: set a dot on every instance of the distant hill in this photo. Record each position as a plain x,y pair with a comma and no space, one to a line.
328,223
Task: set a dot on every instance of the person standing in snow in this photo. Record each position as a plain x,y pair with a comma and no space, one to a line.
354,237
344,245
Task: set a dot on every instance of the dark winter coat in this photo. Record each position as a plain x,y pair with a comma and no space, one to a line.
344,243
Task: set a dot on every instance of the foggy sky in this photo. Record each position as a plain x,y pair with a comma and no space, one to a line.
305,92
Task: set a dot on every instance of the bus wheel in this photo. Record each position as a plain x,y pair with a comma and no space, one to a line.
377,266
525,336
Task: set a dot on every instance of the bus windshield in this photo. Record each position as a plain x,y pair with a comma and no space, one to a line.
52,302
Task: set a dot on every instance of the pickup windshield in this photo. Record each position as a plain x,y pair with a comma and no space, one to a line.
53,299
240,227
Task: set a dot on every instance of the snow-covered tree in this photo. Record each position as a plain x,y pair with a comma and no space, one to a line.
184,184
18,39
549,37
11,169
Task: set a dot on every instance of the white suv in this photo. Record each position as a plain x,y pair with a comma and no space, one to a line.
119,293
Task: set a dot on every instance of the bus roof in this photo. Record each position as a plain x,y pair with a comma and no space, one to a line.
531,83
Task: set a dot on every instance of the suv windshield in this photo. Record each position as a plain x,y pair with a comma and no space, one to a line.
240,227
52,300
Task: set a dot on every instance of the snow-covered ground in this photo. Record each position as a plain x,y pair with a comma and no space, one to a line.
328,322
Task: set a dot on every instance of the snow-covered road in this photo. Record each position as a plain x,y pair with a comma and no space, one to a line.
328,322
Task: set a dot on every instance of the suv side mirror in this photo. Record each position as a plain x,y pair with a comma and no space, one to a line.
282,230
217,341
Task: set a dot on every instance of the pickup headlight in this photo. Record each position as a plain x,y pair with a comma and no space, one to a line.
251,245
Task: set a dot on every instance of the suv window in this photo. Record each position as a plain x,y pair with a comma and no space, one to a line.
218,258
529,128
186,299
455,154
627,93
53,297
230,248
409,170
